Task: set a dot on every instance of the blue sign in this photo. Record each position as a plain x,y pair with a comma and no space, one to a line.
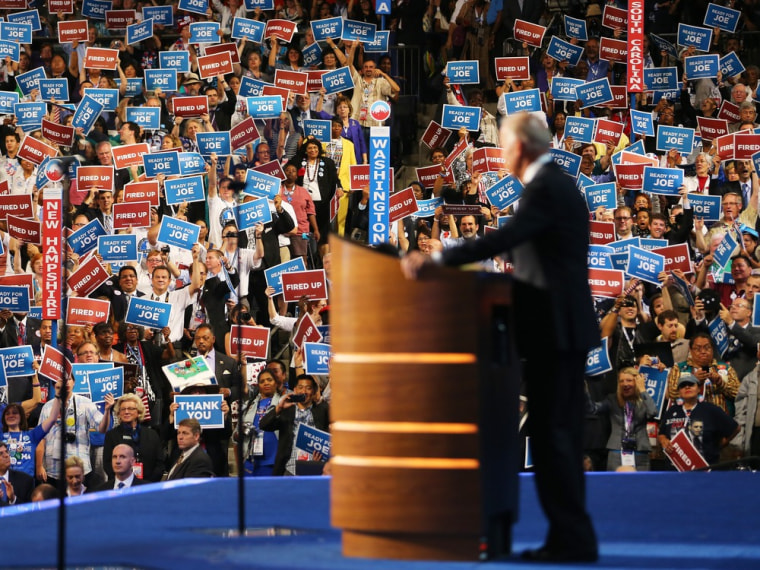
17,360
581,129
665,181
316,358
162,163
358,31
180,190
651,243
29,80
139,32
147,117
57,89
250,87
80,372
719,334
463,72
8,101
641,123
197,6
674,96
601,195
679,138
637,148
622,246
191,163
661,78
527,100
320,130
324,330
104,382
379,44
383,7
656,385
264,107
16,32
14,298
10,49
30,114
379,184
563,88
599,256
584,181
645,265
721,17
272,275
146,313
31,17
164,79
567,161
86,114
337,80
456,116
179,61
176,232
207,409
576,28
312,55
706,207
161,15
86,238
505,192
109,98
595,92
695,36
702,66
95,9
598,360
255,212
427,208
725,250
311,440
117,248
327,28
134,86
251,30
731,65
261,4
564,51
664,45
204,32
218,142
261,185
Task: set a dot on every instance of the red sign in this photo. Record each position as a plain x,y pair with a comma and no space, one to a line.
614,18
120,19
129,155
72,30
215,64
88,277
58,134
34,150
273,168
710,129
531,34
131,215
243,133
62,6
142,192
606,282
458,149
685,456
249,341
402,204
619,98
83,311
608,131
100,177
724,147
314,79
435,135
24,230
517,68
630,176
280,29
101,58
224,48
294,81
635,40
22,279
745,145
427,175
281,91
613,50
729,111
299,284
306,331
358,176
53,363
191,106
19,204
601,233
488,159
12,4
676,257
52,253
627,157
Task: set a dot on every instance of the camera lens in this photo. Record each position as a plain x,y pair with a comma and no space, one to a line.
70,437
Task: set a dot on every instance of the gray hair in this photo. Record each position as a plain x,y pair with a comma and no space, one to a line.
531,131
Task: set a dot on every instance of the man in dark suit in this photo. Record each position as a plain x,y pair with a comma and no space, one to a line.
192,460
122,463
548,240
15,486
120,290
225,368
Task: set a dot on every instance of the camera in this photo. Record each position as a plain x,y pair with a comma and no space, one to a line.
71,437
165,249
628,444
230,234
249,430
628,303
297,398
244,317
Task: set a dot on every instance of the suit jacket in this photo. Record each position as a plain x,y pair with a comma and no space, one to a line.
9,336
198,464
23,485
284,424
109,485
553,218
227,374
150,450
119,302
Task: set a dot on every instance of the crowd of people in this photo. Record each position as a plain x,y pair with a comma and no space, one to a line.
220,279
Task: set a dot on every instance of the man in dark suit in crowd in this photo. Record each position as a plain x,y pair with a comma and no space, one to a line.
548,240
120,290
225,367
122,463
15,486
192,460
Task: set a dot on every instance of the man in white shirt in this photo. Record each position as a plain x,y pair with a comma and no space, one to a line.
179,299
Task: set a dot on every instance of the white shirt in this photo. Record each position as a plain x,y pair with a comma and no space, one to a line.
127,483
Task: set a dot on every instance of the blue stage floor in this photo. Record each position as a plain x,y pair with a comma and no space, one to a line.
644,520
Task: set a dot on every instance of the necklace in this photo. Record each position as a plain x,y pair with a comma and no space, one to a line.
309,175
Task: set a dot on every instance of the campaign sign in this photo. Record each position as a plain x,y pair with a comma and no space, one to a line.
721,17
148,118
161,163
273,274
8,102
82,311
146,313
17,360
134,87
613,50
142,191
531,34
679,138
53,364
505,192
139,32
255,212
29,80
311,439
14,298
463,72
320,130
529,100
191,163
606,282
204,32
426,208
96,9
584,181
707,207
725,146
280,29
666,181
311,284
580,128
563,88
599,256
719,334
59,134
31,17
594,92
695,36
488,159
379,44
163,79
109,98
685,457
645,265
656,385
745,145
676,257
661,78
327,28
614,18
273,168
16,32
86,238
179,61
598,360
104,382
72,30
724,251
312,56
358,31
178,233
252,342
316,358
337,80
641,123
264,107
306,331
564,51
601,195
731,65
10,49
30,114
575,28
243,133
756,310
622,246
608,132
250,87
517,68
260,4
190,106
131,215
213,65
567,161
129,155
161,15
57,88
86,114
251,30
214,142
402,204
652,244
261,185
702,66
117,248
101,58
100,177
456,116
207,409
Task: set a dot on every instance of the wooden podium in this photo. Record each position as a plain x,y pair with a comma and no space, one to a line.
425,410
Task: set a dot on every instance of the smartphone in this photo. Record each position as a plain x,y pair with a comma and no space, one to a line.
297,398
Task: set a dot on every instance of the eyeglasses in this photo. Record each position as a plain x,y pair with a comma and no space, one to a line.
701,347
740,305
86,352
127,409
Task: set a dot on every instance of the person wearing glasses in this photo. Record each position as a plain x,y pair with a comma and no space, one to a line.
624,332
742,336
623,223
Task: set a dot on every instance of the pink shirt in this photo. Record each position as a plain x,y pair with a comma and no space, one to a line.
299,198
